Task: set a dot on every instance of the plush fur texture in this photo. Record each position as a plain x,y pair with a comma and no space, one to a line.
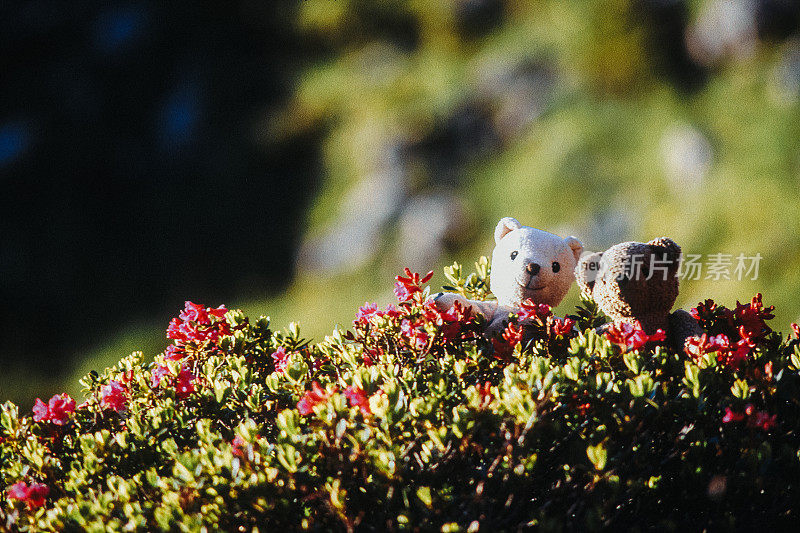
526,263
639,281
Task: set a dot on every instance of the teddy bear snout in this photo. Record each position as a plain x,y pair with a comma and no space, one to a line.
533,268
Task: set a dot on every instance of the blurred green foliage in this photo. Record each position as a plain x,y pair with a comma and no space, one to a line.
577,121
598,152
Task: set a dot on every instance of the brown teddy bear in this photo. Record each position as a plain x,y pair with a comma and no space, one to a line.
634,281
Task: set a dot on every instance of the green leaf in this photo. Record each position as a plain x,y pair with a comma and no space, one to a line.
597,455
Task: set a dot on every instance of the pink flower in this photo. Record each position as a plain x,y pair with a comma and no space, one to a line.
58,410
366,312
184,383
33,495
312,398
239,446
39,410
357,397
281,359
174,353
402,292
158,374
174,330
191,331
113,396
194,313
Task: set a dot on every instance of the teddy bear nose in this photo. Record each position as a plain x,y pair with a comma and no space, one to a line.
533,268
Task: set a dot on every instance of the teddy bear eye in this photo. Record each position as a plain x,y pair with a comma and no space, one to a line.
556,266
514,255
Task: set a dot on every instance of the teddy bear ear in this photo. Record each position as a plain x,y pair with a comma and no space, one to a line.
575,245
666,248
505,226
587,270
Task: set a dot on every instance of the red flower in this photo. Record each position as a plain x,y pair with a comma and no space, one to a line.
796,330
218,313
735,355
33,495
198,324
357,397
370,356
529,310
751,317
391,311
631,336
708,314
755,419
174,330
768,370
485,392
281,359
113,396
762,420
511,336
312,398
732,416
728,354
453,320
697,347
184,383
194,313
406,287
416,336
58,410
563,327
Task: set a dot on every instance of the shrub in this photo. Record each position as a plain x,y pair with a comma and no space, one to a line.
411,420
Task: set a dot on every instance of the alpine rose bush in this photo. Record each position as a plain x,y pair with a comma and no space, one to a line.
412,420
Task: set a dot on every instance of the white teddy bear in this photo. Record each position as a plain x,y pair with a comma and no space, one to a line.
526,263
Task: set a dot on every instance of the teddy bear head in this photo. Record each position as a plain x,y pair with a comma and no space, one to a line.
531,263
633,281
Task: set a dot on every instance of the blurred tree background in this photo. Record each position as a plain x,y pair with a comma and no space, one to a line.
290,157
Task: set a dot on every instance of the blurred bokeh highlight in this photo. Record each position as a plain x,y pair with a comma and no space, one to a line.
290,158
